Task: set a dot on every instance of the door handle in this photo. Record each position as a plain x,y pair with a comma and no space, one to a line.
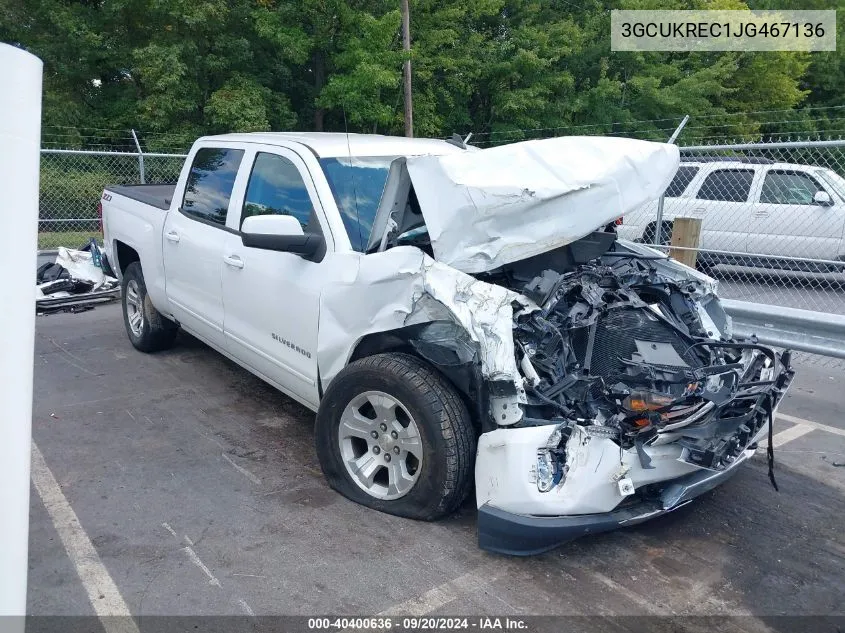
172,236
234,261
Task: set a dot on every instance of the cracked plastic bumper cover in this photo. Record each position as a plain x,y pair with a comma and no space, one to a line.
523,535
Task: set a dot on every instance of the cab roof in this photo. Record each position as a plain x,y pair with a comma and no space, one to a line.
339,144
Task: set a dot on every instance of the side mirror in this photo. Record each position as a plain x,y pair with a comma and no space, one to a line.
822,198
279,233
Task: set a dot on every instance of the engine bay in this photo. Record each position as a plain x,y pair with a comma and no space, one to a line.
632,345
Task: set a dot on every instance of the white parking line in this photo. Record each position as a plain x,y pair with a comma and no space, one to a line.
792,433
246,608
242,470
212,580
99,585
815,425
465,584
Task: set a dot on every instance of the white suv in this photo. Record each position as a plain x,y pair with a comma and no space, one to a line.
752,206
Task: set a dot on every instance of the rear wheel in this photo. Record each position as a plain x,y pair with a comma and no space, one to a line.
147,329
392,434
665,234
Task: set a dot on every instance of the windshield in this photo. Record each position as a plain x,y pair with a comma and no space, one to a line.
357,184
833,180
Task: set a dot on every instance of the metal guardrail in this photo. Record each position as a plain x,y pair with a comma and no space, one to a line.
813,332
763,234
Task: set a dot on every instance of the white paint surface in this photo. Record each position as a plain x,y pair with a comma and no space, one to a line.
472,582
20,138
792,433
99,585
254,479
192,555
500,205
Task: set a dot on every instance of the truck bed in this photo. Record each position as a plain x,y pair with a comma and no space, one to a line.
154,195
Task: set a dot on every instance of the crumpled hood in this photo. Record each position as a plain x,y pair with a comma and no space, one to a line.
495,206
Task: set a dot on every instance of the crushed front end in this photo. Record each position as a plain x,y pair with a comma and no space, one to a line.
637,398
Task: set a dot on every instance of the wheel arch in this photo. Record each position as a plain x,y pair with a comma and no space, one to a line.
447,348
125,255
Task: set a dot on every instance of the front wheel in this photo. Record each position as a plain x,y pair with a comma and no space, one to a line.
147,329
392,434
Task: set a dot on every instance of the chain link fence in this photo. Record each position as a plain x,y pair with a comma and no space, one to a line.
772,213
772,221
772,209
72,182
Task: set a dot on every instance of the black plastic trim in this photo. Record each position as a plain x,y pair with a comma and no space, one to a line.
158,196
306,245
524,535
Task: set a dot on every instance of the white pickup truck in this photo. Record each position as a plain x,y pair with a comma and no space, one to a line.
452,315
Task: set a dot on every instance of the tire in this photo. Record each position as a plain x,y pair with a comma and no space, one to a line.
665,234
424,402
149,332
702,265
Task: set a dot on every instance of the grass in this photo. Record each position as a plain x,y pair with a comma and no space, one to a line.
70,239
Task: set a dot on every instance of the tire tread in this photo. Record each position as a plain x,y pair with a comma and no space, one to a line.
445,405
161,332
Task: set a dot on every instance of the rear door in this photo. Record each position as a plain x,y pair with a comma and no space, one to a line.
786,220
722,201
639,223
193,241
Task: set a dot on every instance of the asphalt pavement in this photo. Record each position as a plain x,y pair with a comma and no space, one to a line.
178,483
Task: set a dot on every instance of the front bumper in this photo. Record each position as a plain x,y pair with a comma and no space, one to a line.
522,535
515,518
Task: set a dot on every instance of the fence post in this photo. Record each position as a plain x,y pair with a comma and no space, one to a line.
686,233
658,224
140,159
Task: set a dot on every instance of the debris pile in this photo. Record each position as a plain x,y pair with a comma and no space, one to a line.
77,280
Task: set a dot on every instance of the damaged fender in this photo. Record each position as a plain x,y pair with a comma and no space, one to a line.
403,287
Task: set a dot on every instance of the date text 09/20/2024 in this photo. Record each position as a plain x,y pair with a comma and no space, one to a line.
418,623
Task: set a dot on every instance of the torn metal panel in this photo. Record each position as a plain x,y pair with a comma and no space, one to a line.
403,286
499,205
80,265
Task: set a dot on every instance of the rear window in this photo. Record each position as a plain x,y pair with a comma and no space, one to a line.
681,181
357,185
210,183
727,185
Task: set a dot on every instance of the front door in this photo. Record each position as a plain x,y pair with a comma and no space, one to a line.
788,222
271,298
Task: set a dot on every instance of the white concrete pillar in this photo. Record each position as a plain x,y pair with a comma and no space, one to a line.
20,138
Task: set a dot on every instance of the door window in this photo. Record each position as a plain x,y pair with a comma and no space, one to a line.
727,185
276,188
783,187
681,181
210,183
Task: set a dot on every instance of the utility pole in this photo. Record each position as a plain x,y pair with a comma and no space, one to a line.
406,69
